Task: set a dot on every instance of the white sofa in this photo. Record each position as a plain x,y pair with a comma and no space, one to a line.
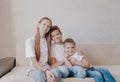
18,74
100,55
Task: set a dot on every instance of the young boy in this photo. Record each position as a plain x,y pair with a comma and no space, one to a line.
99,74
77,62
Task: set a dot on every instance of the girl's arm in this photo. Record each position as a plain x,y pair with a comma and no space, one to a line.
54,63
36,64
49,75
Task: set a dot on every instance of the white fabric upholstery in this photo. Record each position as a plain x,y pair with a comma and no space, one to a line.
18,74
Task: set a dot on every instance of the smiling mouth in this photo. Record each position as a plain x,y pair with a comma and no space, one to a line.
70,54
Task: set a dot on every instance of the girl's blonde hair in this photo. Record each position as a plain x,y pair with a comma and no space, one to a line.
37,41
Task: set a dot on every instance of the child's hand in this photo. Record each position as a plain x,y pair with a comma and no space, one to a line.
50,76
61,63
73,61
68,63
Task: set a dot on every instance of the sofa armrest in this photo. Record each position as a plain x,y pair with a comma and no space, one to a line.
6,65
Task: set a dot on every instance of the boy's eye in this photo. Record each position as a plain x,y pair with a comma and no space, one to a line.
68,48
57,33
53,36
73,47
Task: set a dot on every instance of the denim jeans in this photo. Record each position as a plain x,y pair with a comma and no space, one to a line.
63,70
77,71
100,74
39,75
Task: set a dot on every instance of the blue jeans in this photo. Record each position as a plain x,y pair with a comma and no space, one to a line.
39,75
63,70
77,71
100,74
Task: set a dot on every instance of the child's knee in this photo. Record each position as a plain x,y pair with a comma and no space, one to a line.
56,72
64,71
81,74
37,75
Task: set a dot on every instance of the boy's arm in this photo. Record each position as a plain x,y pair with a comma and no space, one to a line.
84,62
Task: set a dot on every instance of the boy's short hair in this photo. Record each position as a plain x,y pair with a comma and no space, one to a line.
53,28
69,40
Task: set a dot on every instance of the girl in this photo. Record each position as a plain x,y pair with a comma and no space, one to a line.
59,58
38,50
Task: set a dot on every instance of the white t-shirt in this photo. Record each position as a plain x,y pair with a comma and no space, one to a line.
77,56
57,51
30,52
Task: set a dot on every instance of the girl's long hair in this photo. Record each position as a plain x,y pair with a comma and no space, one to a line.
37,42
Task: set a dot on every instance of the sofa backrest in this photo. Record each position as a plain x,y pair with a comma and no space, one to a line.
101,54
97,54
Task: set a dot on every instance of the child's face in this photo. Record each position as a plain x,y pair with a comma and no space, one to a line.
69,48
56,36
44,26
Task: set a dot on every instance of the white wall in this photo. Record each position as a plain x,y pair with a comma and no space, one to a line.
87,21
7,45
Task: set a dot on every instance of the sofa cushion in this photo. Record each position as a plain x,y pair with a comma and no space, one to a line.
6,65
18,74
77,80
17,78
